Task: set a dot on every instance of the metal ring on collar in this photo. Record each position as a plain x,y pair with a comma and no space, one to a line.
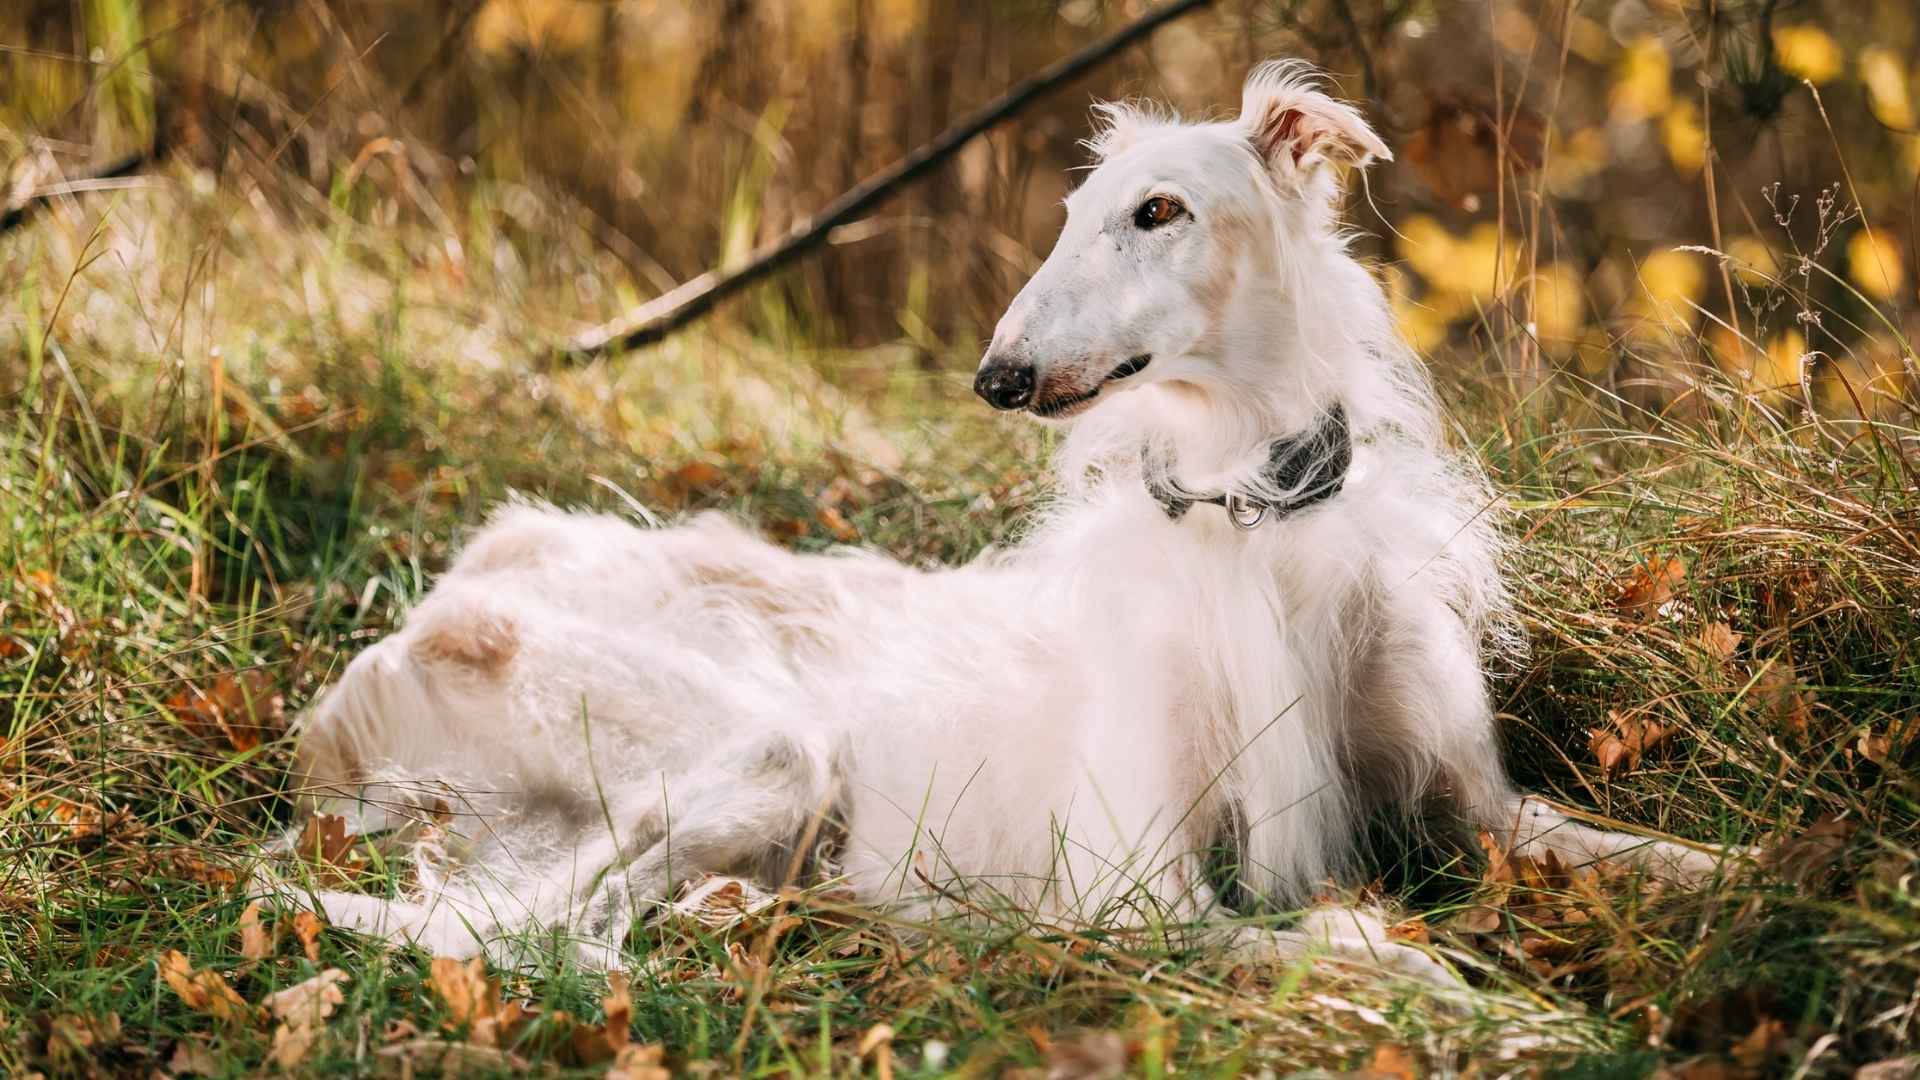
1244,513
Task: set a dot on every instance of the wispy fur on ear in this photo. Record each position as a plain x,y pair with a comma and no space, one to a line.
1295,127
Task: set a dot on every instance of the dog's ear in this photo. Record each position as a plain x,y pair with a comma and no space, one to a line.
1296,128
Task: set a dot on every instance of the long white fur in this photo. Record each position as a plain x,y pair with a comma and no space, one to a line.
610,711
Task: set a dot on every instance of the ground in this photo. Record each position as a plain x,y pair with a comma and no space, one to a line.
239,446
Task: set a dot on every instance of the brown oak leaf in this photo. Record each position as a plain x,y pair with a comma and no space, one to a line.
204,991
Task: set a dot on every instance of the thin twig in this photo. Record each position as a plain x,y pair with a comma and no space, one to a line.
133,163
656,319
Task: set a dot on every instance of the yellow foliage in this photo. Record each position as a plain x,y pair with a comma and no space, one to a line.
1593,354
1807,52
1643,82
1777,374
1559,303
1423,327
1871,384
1670,276
1730,352
1479,266
1771,374
561,26
1427,246
1670,281
1589,39
1886,81
1685,138
1514,30
1753,260
1875,263
1581,155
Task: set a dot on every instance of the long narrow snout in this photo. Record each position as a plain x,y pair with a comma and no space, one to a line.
1004,382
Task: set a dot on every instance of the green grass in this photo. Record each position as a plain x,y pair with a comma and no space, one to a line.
169,516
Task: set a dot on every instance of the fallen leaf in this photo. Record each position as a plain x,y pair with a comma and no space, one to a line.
311,1001
1781,700
1875,748
592,1045
1766,1041
1719,642
302,1010
192,1058
473,1002
330,850
1389,1062
447,1058
877,1043
1413,929
1806,858
640,1063
1649,587
401,477
243,711
679,486
1791,594
189,864
204,991
842,492
1906,1068
307,927
1619,747
835,522
786,528
256,942
291,1045
1092,1055
465,990
75,1039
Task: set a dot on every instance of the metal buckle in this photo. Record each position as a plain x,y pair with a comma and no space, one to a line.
1244,514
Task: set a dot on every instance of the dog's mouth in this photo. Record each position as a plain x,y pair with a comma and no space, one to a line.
1061,406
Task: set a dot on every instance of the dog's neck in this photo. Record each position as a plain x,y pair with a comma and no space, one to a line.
1207,441
1300,470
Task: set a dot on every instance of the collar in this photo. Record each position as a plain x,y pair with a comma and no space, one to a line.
1313,464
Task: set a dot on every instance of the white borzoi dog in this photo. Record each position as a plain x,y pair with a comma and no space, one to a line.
1256,609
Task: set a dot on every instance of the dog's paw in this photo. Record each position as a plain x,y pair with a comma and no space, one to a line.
1351,936
1687,867
1407,961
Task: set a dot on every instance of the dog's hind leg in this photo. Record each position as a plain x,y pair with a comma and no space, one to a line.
769,809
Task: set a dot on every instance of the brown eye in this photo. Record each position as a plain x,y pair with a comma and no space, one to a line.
1156,212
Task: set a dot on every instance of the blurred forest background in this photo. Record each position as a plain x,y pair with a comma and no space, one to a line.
674,137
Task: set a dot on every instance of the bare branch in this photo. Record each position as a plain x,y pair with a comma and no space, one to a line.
654,320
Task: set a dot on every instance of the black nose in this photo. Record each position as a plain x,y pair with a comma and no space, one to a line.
1005,385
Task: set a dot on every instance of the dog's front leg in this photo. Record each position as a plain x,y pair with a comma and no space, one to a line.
1528,824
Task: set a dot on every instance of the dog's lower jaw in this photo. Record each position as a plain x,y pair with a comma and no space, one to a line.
1068,406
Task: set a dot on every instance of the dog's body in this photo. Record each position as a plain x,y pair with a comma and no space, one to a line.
1087,719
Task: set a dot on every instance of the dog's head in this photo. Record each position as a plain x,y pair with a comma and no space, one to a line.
1177,230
